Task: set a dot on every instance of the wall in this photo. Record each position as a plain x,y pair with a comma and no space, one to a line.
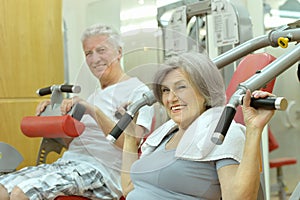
31,51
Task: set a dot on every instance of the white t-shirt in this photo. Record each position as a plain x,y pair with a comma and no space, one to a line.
92,146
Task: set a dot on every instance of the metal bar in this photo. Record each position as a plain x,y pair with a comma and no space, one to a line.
255,44
253,83
274,69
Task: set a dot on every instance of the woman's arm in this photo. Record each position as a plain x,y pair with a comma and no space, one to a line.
132,135
242,181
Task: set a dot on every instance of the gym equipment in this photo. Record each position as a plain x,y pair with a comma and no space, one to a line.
10,158
51,125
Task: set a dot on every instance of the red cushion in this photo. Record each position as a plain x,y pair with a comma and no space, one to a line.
51,126
278,162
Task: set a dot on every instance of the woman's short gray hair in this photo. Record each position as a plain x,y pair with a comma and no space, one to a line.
201,71
101,29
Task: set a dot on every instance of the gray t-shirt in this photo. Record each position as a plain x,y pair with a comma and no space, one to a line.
162,176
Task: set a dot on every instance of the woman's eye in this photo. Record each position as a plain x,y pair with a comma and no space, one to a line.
181,87
165,90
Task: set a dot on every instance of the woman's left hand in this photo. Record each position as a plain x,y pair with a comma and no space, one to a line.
256,118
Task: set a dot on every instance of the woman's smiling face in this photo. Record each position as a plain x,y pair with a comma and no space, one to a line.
181,99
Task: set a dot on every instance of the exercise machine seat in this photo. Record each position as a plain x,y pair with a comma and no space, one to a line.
247,67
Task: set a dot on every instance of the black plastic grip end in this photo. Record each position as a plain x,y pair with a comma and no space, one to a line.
44,91
120,127
223,125
70,88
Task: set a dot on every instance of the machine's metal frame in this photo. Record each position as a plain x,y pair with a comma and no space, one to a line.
264,76
193,8
57,144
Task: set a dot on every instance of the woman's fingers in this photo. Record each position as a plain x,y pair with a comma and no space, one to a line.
261,94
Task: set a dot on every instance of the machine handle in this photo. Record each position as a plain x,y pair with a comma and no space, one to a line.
44,91
70,88
269,103
223,124
148,98
61,88
119,127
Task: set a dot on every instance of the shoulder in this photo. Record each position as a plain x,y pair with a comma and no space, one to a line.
133,84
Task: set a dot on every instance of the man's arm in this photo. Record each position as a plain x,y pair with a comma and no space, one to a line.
106,124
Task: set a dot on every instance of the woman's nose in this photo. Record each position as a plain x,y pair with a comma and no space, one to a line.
172,96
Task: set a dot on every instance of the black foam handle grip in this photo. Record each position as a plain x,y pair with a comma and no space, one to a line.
269,103
223,125
69,88
119,127
44,91
61,88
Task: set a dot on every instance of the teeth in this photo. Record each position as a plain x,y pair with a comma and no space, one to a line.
175,107
99,65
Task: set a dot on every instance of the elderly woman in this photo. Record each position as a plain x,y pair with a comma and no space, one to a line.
179,160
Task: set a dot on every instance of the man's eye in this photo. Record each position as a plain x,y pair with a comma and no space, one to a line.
101,50
87,54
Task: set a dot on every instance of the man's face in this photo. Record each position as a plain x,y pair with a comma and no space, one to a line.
100,55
